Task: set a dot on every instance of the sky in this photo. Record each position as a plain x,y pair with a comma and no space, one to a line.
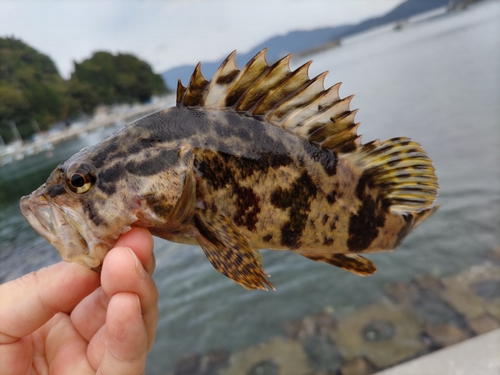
169,33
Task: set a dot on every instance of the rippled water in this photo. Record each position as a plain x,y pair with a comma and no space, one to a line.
437,82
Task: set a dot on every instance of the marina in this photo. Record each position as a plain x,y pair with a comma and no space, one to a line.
46,141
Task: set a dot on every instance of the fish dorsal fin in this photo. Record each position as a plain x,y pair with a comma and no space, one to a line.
275,94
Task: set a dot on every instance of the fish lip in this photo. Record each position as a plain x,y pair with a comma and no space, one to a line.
30,214
57,227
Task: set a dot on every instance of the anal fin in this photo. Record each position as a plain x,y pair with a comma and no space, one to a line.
350,262
229,251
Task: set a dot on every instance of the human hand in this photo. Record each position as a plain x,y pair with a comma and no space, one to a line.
66,319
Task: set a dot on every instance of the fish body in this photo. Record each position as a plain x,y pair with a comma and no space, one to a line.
258,158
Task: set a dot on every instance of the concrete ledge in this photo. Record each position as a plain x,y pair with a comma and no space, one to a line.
479,355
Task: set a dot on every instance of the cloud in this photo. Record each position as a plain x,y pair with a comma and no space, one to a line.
169,33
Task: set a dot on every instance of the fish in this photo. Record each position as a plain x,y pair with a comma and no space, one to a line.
258,158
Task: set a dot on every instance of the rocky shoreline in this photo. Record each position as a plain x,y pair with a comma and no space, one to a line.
412,319
98,122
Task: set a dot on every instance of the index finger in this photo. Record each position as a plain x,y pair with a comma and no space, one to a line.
141,242
29,302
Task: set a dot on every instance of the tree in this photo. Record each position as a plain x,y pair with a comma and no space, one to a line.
30,89
106,78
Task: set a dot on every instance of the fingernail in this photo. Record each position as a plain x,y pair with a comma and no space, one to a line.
138,266
139,308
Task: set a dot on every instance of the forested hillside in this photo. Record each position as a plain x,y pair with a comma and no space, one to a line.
33,94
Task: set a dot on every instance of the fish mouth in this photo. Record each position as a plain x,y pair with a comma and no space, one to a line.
64,232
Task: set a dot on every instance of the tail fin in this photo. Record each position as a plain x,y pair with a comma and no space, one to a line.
401,173
419,217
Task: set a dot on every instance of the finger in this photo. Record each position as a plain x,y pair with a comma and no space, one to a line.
63,350
127,337
130,276
123,272
90,314
16,357
30,301
141,242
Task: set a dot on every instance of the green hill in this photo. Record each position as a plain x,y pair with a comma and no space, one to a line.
31,88
109,79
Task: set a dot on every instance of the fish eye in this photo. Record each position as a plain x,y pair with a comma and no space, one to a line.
80,178
77,180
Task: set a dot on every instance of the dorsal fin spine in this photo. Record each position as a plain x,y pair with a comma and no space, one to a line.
293,82
303,96
273,76
334,141
277,95
314,108
180,92
216,91
250,72
328,116
194,91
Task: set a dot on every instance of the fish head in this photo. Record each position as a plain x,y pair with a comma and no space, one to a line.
90,200
61,211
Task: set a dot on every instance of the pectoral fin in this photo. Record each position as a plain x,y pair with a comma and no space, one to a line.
350,262
229,251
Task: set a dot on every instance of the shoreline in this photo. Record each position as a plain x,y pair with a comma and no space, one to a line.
98,122
415,327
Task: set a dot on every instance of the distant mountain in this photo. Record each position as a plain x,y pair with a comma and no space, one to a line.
278,46
405,10
305,40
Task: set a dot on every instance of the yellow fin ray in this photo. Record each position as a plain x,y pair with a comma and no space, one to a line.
399,170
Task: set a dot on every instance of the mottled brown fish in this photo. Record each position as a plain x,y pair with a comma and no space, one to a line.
258,158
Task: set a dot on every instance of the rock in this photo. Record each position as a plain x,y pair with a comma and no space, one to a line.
400,292
482,324
277,356
323,354
265,367
357,366
432,310
494,254
310,325
381,332
215,360
488,290
293,329
473,292
445,335
189,364
428,282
